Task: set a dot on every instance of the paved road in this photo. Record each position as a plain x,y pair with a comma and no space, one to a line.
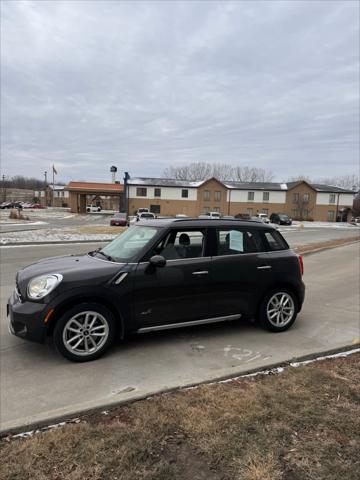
38,384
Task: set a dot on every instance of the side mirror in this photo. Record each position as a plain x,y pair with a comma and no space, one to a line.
157,261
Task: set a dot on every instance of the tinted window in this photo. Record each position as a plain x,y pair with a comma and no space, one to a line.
275,241
236,241
180,244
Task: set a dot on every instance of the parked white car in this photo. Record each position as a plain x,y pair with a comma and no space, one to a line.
142,216
142,210
214,215
93,208
263,217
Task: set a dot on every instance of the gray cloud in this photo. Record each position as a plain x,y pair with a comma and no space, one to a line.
143,85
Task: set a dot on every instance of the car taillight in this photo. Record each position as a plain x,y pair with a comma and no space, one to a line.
301,264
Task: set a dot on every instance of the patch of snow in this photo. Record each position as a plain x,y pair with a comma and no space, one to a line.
50,235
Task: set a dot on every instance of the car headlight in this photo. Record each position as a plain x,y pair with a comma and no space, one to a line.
40,286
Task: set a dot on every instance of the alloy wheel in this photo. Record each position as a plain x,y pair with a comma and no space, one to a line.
85,333
280,309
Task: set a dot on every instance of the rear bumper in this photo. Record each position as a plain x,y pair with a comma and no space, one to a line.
26,319
301,295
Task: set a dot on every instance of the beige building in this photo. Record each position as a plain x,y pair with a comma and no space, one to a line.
299,200
53,196
108,196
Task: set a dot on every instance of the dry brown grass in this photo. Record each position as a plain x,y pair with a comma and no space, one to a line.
301,425
324,245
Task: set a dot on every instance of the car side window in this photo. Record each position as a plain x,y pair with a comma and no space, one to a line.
275,241
237,241
180,244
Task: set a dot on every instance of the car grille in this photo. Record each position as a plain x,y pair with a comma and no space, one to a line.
17,292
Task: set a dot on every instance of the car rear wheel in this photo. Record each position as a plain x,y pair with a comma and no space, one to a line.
278,310
84,332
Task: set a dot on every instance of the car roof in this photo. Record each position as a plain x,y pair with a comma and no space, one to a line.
202,222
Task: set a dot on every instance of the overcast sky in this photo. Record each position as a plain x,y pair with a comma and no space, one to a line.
144,85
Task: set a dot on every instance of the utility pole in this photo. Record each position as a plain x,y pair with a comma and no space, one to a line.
3,189
126,193
337,207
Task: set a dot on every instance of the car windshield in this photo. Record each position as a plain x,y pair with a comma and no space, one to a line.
283,217
120,215
147,215
129,244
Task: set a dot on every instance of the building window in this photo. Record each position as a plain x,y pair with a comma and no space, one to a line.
216,209
217,196
206,195
155,209
251,196
295,212
250,210
306,213
266,196
141,192
184,193
331,198
331,215
206,209
295,197
265,210
157,192
306,197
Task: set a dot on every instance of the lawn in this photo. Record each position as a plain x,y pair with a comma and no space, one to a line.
301,424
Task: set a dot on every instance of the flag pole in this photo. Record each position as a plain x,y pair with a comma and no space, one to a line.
53,192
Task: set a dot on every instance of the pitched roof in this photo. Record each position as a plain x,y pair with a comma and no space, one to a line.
165,182
319,187
256,185
95,187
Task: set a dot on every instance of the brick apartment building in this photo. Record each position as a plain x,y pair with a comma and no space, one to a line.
297,199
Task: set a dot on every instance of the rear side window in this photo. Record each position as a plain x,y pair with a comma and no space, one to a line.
236,241
275,241
180,244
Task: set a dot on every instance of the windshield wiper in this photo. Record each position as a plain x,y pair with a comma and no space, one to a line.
98,250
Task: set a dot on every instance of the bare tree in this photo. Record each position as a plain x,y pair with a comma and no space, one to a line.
251,174
302,205
221,171
299,178
350,182
356,206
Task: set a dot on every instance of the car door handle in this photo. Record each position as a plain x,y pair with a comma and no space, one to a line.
264,267
202,272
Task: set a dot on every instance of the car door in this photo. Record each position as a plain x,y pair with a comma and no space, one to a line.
179,291
240,271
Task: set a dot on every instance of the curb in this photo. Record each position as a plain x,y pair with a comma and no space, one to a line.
70,417
55,242
326,247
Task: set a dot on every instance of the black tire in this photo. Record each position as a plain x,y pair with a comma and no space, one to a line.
103,333
290,310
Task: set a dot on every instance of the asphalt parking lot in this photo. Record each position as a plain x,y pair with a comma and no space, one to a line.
37,384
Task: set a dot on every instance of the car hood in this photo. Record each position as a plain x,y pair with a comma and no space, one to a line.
75,269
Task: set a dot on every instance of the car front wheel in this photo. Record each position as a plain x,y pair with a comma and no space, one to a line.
85,332
278,310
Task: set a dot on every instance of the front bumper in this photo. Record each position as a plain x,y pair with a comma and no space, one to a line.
26,319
